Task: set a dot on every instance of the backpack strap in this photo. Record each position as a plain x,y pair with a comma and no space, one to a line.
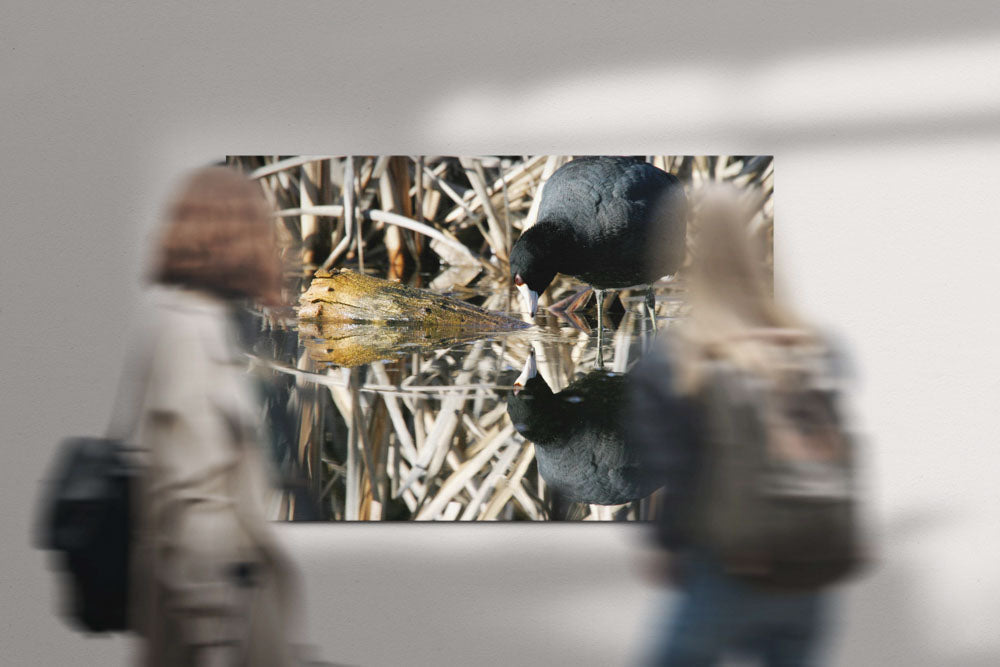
133,383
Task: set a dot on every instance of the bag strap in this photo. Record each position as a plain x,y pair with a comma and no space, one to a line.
133,382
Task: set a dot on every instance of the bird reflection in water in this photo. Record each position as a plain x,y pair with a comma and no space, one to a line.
578,433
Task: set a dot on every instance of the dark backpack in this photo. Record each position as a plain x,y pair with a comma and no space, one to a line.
778,497
86,520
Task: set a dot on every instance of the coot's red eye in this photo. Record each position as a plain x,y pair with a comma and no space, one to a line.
518,280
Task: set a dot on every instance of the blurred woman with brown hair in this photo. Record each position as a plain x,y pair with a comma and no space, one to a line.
211,585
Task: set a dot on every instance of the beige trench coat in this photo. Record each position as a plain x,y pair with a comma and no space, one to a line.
211,585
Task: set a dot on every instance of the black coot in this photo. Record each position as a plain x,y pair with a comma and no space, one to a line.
612,222
579,437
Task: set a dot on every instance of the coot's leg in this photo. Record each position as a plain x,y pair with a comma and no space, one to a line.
651,306
599,293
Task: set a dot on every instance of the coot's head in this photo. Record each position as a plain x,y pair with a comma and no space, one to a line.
533,266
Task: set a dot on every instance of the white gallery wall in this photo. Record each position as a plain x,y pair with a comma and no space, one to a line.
885,126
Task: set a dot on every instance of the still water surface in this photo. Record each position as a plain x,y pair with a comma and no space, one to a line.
388,423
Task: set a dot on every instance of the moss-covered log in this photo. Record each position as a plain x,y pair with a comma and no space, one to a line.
349,297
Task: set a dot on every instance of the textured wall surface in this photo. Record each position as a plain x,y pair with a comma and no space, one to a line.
885,124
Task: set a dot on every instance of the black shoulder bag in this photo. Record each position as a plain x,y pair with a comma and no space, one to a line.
86,511
87,521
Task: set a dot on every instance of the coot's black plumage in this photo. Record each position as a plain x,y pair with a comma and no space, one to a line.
579,437
612,222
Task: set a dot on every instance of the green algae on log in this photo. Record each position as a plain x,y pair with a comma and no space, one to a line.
348,297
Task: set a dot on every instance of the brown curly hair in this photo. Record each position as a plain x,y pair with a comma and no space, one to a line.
219,238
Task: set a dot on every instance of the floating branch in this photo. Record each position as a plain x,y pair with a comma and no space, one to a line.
349,297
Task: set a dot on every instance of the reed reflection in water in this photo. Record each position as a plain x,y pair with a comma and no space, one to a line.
395,423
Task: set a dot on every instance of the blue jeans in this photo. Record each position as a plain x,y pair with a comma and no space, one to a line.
718,615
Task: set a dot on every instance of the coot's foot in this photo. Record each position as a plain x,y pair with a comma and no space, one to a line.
572,302
573,319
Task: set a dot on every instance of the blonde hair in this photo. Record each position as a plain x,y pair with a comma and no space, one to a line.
219,237
734,315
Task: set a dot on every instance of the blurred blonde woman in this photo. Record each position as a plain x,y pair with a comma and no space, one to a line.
211,585
733,317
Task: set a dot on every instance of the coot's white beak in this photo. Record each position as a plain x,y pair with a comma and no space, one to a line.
529,298
530,371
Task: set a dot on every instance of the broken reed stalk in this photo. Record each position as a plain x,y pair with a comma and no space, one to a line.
474,172
379,216
289,163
